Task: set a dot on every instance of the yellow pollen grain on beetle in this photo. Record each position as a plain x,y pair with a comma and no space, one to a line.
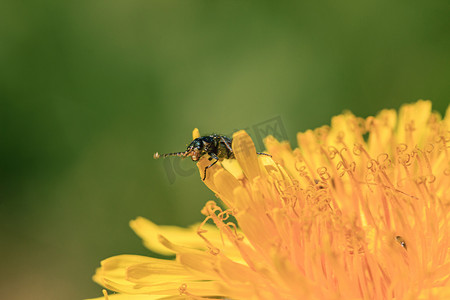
360,210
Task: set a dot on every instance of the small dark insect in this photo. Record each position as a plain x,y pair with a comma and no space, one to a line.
218,147
402,242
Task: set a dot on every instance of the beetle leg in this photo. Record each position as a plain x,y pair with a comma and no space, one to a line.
226,144
262,153
212,156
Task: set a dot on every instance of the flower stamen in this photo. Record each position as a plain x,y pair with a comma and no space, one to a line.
360,210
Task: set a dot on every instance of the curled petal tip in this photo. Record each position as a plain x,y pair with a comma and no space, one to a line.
195,133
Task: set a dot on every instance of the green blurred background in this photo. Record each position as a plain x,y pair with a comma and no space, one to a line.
91,89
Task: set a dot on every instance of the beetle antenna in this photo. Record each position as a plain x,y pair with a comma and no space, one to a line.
179,154
262,153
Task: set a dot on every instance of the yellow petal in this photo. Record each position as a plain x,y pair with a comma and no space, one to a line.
114,273
132,297
202,165
382,132
412,123
156,271
338,218
195,133
283,154
438,293
188,237
225,184
345,130
447,117
245,153
232,166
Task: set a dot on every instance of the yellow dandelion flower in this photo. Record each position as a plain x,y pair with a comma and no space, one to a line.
360,210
